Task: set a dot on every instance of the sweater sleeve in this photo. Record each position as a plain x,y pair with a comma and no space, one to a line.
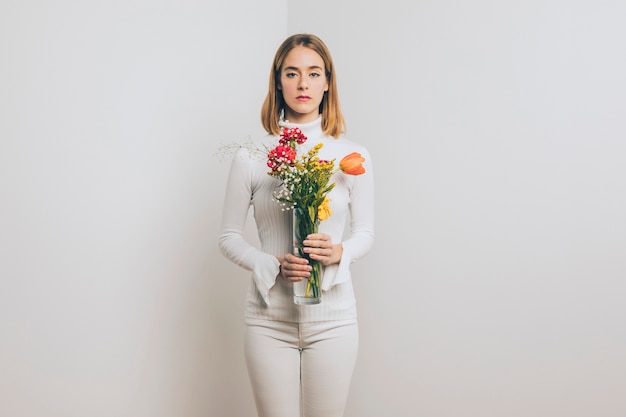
232,244
361,233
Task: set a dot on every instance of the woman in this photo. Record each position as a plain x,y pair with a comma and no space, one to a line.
300,358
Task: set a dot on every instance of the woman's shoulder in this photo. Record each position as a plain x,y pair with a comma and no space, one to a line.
345,144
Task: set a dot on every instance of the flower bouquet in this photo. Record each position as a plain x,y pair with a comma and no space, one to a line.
305,185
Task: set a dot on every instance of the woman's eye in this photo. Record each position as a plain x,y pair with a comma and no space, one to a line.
315,74
290,74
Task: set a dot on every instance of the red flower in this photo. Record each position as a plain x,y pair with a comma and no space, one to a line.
292,134
282,154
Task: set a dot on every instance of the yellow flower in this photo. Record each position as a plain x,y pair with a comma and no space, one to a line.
324,211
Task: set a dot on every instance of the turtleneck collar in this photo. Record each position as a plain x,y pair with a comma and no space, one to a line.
310,129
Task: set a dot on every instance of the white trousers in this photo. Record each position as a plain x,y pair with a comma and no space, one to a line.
300,369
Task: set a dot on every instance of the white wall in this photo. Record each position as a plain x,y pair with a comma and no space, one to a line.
497,283
113,298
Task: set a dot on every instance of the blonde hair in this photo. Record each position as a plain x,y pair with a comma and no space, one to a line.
333,123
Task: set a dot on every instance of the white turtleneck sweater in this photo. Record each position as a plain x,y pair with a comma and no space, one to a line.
351,223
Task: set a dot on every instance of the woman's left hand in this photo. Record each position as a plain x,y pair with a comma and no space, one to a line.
320,247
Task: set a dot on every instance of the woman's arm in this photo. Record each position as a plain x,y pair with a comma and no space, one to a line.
232,244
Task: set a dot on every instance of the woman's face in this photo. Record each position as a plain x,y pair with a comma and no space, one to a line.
303,83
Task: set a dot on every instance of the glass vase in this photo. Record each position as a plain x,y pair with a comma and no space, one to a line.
305,222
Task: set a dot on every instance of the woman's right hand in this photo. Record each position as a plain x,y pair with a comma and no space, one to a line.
293,268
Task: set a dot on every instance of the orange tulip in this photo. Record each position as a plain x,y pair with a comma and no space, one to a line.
352,164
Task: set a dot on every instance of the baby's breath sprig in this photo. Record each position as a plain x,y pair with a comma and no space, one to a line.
229,149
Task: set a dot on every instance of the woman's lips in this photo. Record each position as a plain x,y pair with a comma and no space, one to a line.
303,98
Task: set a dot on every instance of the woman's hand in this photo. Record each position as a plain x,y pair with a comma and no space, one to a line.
319,247
293,268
